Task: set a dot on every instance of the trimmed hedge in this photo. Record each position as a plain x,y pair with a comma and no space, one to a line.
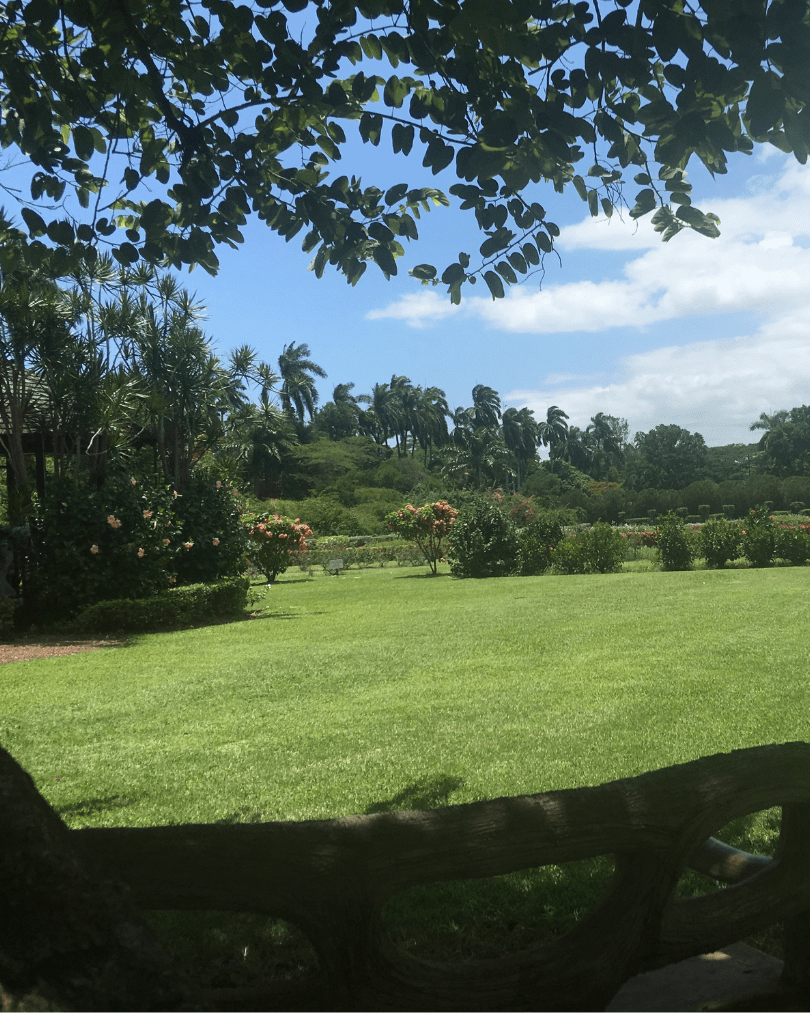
179,606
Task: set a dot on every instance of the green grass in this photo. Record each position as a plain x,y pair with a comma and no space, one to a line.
385,689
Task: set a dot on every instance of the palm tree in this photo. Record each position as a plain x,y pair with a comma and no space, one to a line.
486,407
574,448
382,418
298,393
430,422
552,432
604,441
520,435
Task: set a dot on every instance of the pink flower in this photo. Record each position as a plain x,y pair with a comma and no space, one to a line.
215,541
166,541
187,545
219,485
147,514
133,481
176,493
94,549
282,535
141,553
172,580
113,521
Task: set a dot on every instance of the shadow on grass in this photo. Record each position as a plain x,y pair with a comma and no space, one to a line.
93,806
426,793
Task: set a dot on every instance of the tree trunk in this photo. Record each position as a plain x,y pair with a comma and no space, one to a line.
68,937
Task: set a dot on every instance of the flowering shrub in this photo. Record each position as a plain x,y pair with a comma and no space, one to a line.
719,541
210,515
793,543
428,526
758,536
94,543
674,543
483,542
570,556
276,542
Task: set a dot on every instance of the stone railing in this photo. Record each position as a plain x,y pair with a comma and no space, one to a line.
332,877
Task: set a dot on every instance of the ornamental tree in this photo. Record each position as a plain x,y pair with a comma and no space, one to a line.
276,542
158,128
426,526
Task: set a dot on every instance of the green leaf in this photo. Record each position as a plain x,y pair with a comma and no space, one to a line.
452,274
593,203
494,284
396,193
126,254
83,142
579,186
36,225
645,202
371,127
607,207
531,254
402,138
425,272
506,272
518,262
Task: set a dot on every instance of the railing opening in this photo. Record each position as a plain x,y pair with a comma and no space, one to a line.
483,919
225,949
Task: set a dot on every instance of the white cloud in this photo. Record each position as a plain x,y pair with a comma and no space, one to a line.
420,309
717,388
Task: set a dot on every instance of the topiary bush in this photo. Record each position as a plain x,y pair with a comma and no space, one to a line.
483,541
674,544
537,542
759,536
179,606
719,541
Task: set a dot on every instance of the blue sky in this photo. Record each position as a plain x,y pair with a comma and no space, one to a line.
706,334
698,332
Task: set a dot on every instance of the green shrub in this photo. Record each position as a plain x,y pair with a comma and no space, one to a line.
693,519
793,544
537,541
209,514
719,541
91,543
570,556
428,526
796,506
7,609
176,607
600,550
674,544
704,509
483,541
759,536
729,511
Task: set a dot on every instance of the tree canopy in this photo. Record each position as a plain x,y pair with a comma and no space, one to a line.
158,128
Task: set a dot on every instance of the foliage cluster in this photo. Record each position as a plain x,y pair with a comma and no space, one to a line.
758,532
428,526
719,542
675,545
128,538
276,542
599,550
7,608
538,540
483,541
181,606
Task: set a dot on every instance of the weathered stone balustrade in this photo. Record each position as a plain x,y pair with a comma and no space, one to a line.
332,877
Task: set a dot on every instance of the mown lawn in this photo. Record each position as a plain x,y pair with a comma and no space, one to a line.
384,689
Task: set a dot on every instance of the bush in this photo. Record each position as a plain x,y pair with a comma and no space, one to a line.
176,607
796,506
570,556
729,511
600,550
276,542
209,514
674,544
793,544
428,527
91,543
483,542
719,541
537,543
759,537
7,608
